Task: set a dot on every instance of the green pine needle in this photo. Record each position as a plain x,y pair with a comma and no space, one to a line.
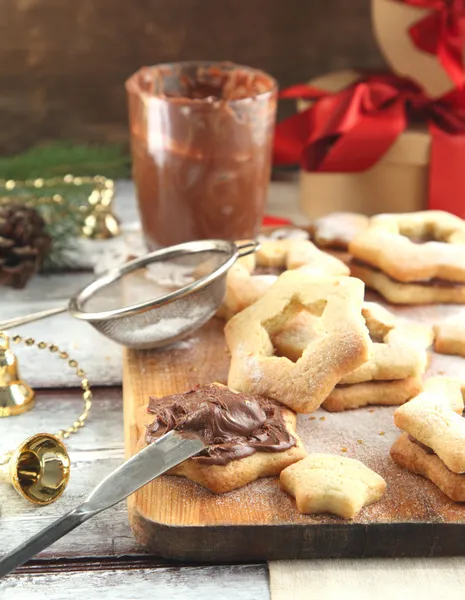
60,158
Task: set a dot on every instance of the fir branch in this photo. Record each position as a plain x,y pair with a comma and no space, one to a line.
60,158
64,222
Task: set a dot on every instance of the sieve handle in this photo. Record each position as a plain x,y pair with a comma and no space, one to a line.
246,248
43,314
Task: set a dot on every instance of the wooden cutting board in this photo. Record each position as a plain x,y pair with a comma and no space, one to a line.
177,519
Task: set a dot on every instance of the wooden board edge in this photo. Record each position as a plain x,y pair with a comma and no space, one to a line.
220,543
129,423
128,409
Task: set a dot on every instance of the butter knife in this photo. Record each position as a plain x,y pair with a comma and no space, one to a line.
154,460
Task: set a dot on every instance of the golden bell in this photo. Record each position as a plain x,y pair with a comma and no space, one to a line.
16,396
38,469
100,225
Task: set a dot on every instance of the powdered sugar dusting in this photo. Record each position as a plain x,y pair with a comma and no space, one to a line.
172,326
169,275
185,344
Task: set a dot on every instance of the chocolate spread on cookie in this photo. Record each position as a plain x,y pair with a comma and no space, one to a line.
232,425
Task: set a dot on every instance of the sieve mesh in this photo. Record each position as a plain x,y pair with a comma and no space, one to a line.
166,323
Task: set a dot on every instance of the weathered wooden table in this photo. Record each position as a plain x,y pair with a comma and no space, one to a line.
101,559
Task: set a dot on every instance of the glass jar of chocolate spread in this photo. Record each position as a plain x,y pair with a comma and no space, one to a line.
201,139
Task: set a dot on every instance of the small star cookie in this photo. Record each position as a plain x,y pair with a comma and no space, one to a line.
327,483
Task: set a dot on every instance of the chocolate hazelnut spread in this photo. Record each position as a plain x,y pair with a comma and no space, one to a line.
232,425
201,138
434,282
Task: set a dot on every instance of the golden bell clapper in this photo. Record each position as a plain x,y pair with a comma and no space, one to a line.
16,396
38,469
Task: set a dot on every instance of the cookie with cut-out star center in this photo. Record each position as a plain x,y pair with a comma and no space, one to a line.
245,284
412,258
339,346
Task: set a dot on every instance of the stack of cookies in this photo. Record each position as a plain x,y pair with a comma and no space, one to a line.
433,440
393,373
337,343
412,258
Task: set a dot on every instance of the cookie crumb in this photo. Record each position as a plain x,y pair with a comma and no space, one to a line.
343,449
322,418
381,433
193,369
311,418
371,410
359,441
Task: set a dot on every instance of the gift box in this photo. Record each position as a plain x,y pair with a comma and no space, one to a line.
423,40
374,143
396,183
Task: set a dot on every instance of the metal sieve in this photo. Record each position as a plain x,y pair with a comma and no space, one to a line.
156,299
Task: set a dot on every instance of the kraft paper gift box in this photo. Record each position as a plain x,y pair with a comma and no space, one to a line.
374,143
398,182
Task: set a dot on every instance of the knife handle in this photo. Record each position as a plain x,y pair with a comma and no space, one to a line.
42,540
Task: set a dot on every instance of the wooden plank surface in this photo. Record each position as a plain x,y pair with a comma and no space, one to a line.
180,520
116,582
95,451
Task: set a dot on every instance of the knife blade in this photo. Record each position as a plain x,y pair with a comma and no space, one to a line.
154,460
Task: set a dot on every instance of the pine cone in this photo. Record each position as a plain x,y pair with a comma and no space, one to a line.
23,244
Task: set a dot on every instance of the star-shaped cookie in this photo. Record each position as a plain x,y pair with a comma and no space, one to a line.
341,343
327,483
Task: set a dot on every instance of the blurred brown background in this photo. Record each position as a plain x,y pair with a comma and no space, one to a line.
63,64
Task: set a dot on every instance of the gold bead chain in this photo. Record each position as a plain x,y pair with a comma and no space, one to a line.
69,179
73,364
100,197
96,211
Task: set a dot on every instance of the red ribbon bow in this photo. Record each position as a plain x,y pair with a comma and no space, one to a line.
350,130
442,32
